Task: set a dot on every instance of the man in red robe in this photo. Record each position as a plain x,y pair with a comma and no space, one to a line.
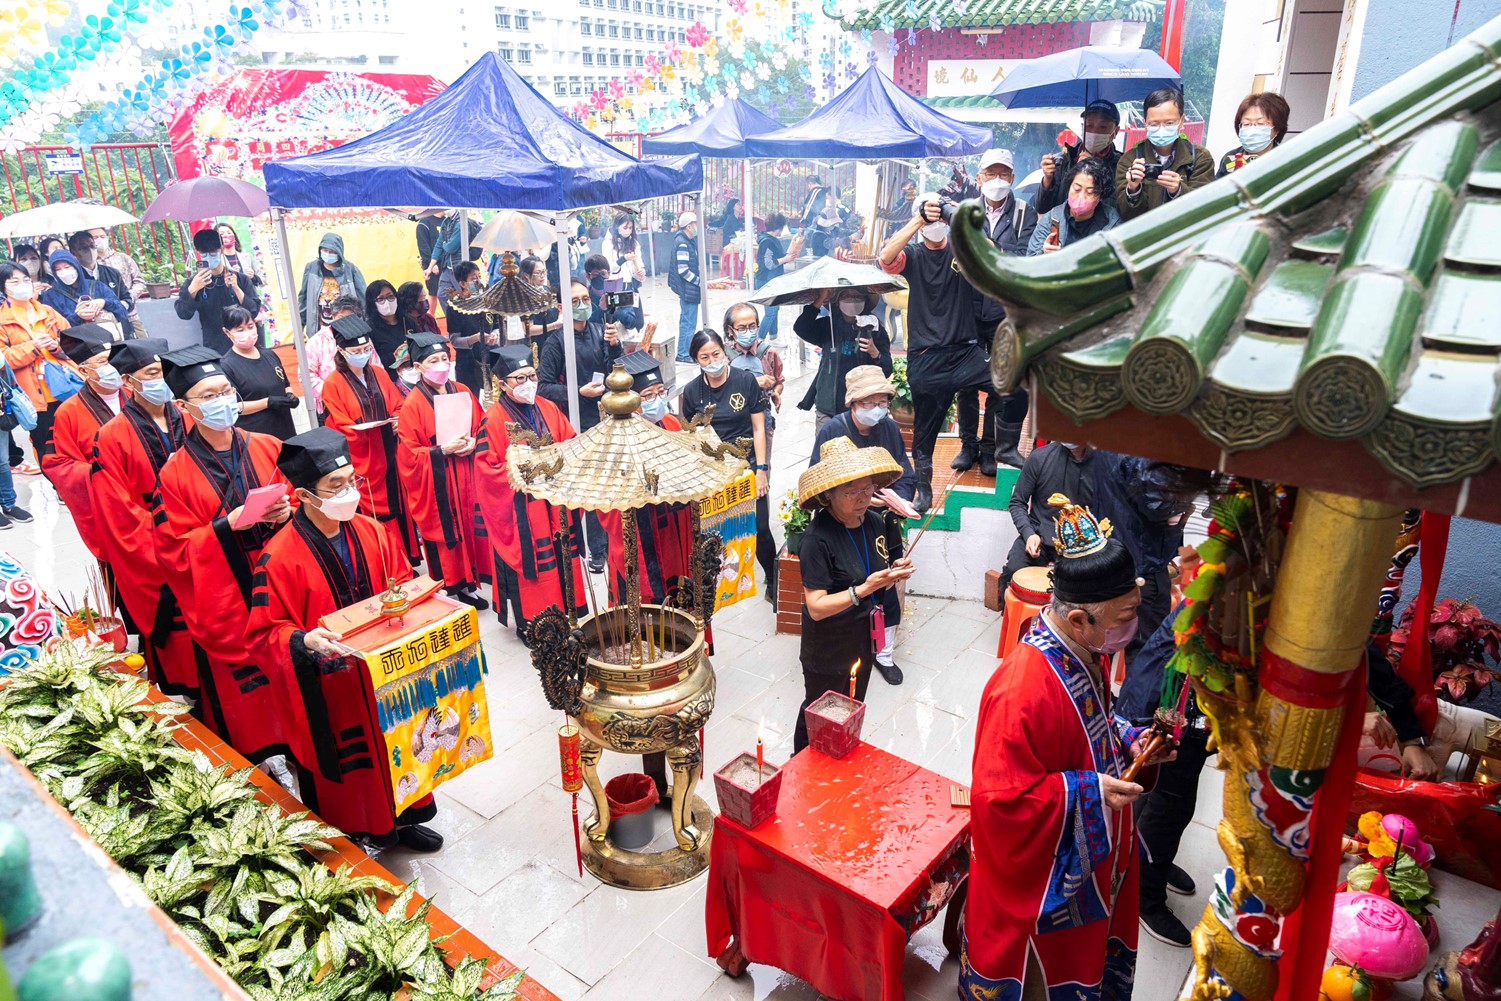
528,574
362,404
208,548
124,490
439,475
1052,903
78,419
665,530
328,557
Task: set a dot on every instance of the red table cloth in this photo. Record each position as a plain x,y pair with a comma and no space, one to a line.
863,851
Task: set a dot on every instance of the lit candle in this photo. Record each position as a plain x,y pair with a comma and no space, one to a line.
759,761
854,670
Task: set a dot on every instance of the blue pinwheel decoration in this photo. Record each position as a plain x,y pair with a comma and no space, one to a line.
245,23
865,36
219,39
934,22
893,45
888,25
872,58
810,92
911,9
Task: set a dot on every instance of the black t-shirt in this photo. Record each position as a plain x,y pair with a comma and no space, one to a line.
834,558
940,305
387,338
260,379
735,401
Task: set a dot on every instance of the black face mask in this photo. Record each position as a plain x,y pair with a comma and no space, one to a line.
597,282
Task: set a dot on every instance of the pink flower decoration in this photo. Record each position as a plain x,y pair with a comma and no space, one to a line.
633,78
697,35
653,67
673,53
616,88
739,6
598,99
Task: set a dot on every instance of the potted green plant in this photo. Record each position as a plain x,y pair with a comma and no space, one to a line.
1465,646
158,277
794,521
901,403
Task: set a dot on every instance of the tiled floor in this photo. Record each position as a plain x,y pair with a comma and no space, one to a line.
507,870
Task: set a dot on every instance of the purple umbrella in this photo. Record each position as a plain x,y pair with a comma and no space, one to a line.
206,197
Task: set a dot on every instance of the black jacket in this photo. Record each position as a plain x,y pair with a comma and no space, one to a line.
1049,470
1146,502
211,302
886,434
1047,197
826,391
427,239
594,355
1012,234
106,275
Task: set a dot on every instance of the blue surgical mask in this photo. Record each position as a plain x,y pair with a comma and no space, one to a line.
357,359
1162,135
329,257
218,414
1255,138
582,311
156,391
713,369
871,416
211,261
654,410
746,338
108,378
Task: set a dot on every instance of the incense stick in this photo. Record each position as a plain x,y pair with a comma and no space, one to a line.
932,511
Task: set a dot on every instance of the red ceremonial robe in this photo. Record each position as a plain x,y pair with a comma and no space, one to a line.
350,399
1054,870
336,737
520,528
666,534
129,453
211,566
67,465
440,490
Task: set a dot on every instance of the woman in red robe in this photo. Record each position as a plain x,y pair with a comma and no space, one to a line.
439,476
210,556
129,454
328,557
665,530
520,529
361,393
1052,903
77,420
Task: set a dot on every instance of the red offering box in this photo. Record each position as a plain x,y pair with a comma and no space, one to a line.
834,724
364,628
748,805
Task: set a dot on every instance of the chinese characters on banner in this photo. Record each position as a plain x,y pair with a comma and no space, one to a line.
429,688
968,77
732,513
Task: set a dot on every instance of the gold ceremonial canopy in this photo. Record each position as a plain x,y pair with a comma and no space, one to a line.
625,461
511,296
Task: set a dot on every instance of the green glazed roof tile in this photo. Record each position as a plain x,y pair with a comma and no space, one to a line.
996,13
1289,299
1474,240
1464,313
1487,172
1370,308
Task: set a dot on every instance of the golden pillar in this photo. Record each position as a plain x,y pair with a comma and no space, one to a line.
1276,742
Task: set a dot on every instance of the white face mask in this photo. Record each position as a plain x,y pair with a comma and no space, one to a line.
871,416
935,232
851,309
525,393
995,189
385,307
410,376
20,291
101,246
66,275
1096,142
33,267
341,506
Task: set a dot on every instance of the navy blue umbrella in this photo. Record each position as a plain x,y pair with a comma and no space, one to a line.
1073,78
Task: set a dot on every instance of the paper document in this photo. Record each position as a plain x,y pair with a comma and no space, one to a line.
258,502
452,417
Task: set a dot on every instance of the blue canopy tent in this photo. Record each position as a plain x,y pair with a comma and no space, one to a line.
872,119
722,132
489,141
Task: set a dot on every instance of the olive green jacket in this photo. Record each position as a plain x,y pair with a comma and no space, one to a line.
1188,158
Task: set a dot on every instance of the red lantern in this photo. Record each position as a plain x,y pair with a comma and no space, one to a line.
570,750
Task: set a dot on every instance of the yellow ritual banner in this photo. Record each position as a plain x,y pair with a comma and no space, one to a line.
429,687
732,513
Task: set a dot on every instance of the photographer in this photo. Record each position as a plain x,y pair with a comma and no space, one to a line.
213,289
944,356
1163,165
1101,121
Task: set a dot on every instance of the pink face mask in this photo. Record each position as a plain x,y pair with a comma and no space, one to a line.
244,338
1080,204
437,374
1117,638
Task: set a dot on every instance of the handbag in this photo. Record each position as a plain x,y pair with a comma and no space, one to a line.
18,410
61,381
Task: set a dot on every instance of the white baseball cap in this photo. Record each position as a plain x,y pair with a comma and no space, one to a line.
997,156
686,219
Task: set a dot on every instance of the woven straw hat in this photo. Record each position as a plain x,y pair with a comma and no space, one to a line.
841,461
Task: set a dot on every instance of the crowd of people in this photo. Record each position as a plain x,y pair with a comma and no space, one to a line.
164,458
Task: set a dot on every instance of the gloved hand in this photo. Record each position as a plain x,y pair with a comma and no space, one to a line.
287,402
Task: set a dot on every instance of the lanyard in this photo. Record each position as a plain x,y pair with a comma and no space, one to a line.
862,547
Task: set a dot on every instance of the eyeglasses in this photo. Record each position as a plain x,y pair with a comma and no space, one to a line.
385,298
518,380
745,329
357,481
223,394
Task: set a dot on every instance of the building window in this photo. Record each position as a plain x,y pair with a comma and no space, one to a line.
575,86
386,60
559,89
614,30
505,52
523,22
638,33
584,27
502,17
588,57
524,56
640,59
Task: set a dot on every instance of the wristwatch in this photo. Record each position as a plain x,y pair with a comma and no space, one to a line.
760,467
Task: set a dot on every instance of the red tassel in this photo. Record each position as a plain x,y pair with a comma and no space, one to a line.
578,848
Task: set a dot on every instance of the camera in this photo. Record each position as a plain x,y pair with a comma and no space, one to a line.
1154,171
621,300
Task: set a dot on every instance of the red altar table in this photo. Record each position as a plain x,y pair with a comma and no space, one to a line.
863,851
